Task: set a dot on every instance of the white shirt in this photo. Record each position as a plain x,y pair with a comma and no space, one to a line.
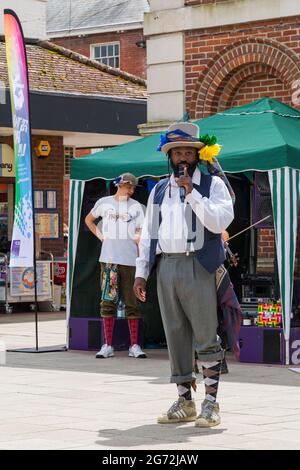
215,213
121,219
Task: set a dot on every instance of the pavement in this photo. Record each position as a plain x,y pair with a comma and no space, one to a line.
70,400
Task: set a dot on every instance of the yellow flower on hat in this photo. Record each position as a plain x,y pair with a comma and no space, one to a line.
208,152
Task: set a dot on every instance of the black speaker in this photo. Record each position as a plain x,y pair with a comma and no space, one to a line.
272,346
262,203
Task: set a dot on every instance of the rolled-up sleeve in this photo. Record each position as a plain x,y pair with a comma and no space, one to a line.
215,212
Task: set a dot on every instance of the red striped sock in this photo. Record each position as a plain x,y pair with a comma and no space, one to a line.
133,325
108,326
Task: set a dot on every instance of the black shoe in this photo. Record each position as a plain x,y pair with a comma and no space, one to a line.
224,368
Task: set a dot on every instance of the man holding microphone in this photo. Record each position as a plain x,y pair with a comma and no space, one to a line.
181,238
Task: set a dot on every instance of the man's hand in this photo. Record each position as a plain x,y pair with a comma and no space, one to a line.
139,288
185,181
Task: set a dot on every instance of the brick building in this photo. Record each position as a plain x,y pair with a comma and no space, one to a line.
75,103
205,56
109,31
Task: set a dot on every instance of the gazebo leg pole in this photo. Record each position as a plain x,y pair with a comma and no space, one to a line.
287,350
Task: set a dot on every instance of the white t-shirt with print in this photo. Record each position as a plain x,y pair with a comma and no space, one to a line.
120,220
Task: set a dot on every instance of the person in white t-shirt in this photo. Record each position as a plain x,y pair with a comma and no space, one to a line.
119,229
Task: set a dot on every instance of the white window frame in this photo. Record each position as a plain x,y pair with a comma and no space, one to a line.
113,43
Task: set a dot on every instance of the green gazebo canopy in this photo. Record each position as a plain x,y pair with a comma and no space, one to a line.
259,136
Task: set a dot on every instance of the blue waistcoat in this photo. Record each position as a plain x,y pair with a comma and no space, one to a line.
212,254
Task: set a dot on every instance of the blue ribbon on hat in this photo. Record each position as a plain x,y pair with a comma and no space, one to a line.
175,136
117,180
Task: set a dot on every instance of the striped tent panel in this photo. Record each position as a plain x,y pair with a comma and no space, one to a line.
285,189
75,204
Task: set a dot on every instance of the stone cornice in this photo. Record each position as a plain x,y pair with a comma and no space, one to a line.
217,14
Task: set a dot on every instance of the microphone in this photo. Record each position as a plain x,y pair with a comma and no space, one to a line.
181,188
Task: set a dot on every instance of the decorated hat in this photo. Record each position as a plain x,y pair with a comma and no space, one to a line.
186,134
181,134
126,178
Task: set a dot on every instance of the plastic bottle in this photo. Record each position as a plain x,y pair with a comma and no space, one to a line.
121,309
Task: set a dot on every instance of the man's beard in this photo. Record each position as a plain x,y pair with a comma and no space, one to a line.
190,167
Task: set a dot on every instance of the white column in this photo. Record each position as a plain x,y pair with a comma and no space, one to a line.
165,68
165,77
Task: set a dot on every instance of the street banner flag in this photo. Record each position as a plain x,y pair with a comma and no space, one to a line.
22,245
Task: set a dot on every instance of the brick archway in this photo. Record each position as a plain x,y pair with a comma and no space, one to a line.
225,95
234,64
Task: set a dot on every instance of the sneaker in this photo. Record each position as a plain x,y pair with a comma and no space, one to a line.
105,351
135,351
182,411
209,415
